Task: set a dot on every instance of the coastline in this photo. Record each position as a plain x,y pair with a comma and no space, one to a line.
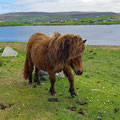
57,25
21,44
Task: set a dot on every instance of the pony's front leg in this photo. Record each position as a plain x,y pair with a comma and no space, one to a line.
52,81
68,73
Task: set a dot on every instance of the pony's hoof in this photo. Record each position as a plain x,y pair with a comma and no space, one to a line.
35,81
73,94
30,83
38,83
53,93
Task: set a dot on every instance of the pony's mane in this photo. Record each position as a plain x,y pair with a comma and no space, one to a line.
55,36
64,47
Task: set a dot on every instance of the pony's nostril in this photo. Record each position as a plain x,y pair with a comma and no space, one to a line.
79,72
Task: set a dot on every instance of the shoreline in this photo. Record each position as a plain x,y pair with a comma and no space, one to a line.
26,42
57,25
21,44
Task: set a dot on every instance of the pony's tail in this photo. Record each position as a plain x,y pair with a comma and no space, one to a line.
26,68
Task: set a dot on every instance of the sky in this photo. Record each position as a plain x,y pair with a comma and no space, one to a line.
7,6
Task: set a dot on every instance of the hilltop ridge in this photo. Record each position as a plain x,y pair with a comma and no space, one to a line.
46,16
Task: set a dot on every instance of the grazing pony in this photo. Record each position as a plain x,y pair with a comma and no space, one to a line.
53,54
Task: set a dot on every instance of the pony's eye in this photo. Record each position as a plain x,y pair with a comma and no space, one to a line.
83,48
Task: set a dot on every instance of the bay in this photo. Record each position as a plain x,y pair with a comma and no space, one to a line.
96,34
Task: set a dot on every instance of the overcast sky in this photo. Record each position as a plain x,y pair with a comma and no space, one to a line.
7,6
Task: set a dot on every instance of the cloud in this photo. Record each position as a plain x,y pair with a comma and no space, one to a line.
20,2
74,5
61,5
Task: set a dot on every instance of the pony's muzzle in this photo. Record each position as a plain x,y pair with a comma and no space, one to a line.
78,72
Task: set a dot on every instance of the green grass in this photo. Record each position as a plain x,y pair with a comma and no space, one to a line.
101,71
1,50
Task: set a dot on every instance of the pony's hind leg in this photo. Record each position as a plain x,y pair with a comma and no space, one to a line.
68,73
30,72
36,79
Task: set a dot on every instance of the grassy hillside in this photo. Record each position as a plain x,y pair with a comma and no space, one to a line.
99,86
111,19
55,18
46,16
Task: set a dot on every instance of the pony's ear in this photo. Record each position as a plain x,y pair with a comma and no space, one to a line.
84,40
55,36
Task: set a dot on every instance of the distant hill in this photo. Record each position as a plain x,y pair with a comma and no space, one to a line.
45,16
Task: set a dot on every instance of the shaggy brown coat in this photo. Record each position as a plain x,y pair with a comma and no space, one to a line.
53,54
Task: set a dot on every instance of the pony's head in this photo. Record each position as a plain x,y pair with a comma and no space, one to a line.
76,63
65,49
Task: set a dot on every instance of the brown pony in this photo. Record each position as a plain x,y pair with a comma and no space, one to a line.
53,54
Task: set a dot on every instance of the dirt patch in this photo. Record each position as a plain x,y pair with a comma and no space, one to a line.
72,108
117,109
34,86
82,111
99,118
61,94
10,105
116,95
2,106
53,100
81,102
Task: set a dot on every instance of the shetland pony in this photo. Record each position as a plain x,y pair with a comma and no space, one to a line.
53,54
